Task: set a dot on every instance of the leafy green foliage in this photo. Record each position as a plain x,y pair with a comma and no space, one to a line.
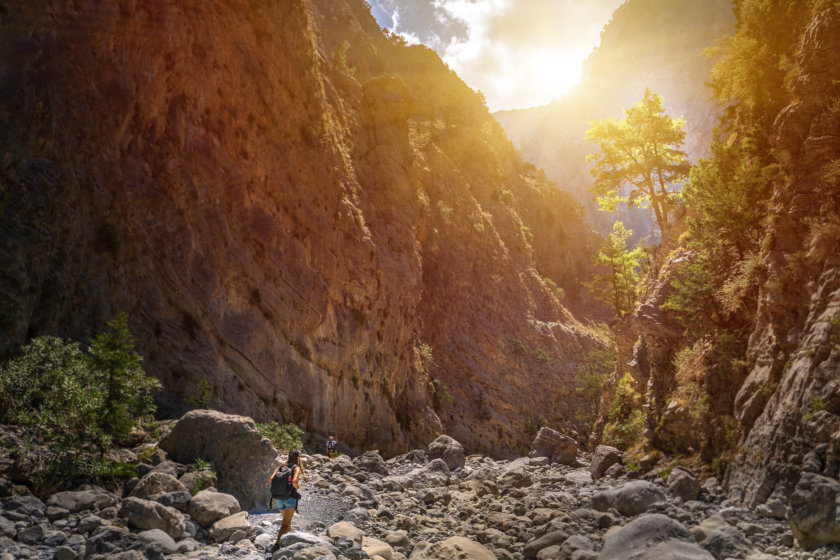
127,390
617,287
534,423
74,398
641,151
439,392
285,437
201,398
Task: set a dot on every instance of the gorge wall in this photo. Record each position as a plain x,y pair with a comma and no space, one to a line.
313,217
656,44
770,410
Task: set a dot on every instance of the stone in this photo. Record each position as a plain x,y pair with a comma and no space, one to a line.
345,529
178,500
76,501
631,498
813,511
514,477
652,537
398,538
208,506
160,540
33,534
242,457
375,547
727,542
557,447
196,481
603,458
553,538
683,485
156,483
448,449
146,514
65,553
371,461
453,548
225,527
575,543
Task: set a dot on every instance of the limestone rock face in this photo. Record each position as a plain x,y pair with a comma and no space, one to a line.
243,459
790,401
292,229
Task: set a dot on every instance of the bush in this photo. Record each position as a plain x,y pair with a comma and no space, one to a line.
440,394
285,437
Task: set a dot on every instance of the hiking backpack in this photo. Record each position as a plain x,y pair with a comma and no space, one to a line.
281,483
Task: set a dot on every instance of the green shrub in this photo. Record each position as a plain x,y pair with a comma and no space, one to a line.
542,355
285,437
440,394
201,398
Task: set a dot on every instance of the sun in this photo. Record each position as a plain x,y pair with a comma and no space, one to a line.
551,73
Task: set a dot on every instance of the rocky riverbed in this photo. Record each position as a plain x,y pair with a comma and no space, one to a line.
426,504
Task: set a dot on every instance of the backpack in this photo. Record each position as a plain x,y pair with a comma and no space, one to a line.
331,445
281,482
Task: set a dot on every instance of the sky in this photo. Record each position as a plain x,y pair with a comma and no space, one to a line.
519,53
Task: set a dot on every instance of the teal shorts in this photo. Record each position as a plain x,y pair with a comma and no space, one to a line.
288,503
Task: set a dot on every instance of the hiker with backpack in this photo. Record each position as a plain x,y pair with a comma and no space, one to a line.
285,481
330,448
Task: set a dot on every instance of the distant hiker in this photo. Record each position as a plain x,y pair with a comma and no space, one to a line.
331,443
285,481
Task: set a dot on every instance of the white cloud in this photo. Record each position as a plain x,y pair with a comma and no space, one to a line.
518,53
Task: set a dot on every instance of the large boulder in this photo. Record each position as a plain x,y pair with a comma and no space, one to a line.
813,511
156,483
227,526
80,500
559,448
371,461
448,449
652,537
243,458
453,548
146,514
683,485
208,506
603,458
631,498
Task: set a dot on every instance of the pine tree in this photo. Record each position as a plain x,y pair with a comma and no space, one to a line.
640,151
126,388
617,287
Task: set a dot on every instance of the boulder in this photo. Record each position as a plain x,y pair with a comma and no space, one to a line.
208,506
453,548
156,483
727,542
813,511
557,447
514,477
573,544
146,514
448,449
196,481
375,547
76,501
552,538
603,458
631,498
224,528
683,485
243,458
371,461
159,540
345,529
652,537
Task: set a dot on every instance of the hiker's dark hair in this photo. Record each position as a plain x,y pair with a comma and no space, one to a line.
294,457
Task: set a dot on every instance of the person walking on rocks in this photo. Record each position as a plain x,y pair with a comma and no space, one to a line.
285,481
331,443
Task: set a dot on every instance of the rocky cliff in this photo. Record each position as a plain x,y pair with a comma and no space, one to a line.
776,406
326,225
656,44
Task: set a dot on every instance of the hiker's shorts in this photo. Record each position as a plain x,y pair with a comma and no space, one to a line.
288,503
